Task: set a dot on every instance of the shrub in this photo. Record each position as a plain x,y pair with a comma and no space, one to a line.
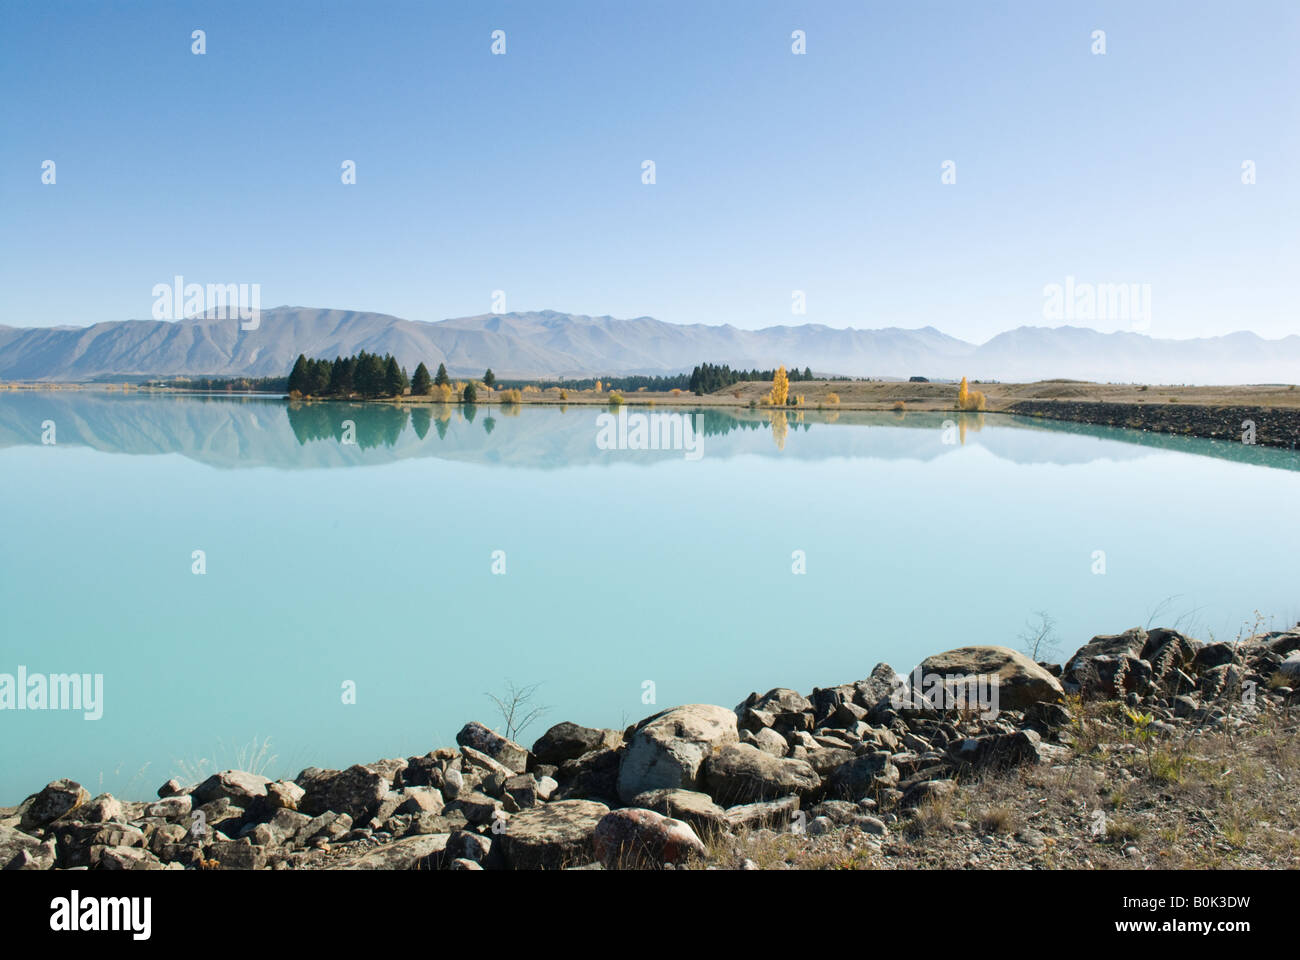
615,399
833,398
512,397
564,394
899,406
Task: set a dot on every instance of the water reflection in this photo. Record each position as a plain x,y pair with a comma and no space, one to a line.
264,431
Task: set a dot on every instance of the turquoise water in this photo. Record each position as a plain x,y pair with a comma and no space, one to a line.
371,563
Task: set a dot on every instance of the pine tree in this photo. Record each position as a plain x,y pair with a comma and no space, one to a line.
392,377
421,382
298,376
489,379
442,377
471,393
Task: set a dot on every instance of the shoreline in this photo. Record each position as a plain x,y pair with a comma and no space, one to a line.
1214,413
1047,766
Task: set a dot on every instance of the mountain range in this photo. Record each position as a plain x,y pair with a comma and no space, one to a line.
550,344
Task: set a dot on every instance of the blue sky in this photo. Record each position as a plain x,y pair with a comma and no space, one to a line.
775,172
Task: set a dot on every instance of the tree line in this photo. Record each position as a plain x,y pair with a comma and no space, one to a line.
365,374
709,377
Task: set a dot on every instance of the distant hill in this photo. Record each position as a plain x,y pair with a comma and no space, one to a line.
550,344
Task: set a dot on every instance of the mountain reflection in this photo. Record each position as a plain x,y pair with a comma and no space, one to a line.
238,432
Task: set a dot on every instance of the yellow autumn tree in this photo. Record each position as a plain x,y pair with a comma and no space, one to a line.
780,388
963,394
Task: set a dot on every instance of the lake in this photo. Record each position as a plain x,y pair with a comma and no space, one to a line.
444,554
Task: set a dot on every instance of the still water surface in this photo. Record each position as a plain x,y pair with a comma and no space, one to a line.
371,563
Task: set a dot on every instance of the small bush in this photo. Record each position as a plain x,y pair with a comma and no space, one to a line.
899,406
833,399
615,399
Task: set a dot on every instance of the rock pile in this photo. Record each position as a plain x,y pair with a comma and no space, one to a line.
651,795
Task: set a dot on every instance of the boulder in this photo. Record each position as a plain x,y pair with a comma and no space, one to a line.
237,786
740,773
875,692
175,807
634,837
506,752
568,741
237,855
667,750
776,814
1130,642
552,836
357,791
104,808
697,809
56,800
927,791
998,750
419,800
13,842
423,852
479,808
1021,681
592,776
39,856
861,776
767,740
779,708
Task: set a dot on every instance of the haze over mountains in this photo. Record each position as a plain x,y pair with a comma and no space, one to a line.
550,344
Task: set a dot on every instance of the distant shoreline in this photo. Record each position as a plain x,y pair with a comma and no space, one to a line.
1223,413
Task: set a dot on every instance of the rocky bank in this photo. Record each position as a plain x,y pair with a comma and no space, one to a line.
690,786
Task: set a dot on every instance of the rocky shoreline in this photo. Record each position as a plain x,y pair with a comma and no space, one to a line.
1274,426
868,774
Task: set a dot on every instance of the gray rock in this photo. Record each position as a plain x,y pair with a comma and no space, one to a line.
697,809
14,842
452,785
418,800
479,808
424,852
1021,681
126,858
568,741
104,808
593,776
863,775
552,836
928,790
634,837
238,855
55,801
238,786
777,814
175,807
38,857
357,791
506,752
739,773
667,750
